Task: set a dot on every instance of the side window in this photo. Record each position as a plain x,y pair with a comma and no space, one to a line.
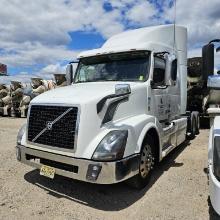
174,70
159,71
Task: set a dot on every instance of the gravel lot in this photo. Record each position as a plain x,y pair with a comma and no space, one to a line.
178,189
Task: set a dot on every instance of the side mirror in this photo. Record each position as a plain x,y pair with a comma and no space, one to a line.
214,82
70,72
122,89
207,61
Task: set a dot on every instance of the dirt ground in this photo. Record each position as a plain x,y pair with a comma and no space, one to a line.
178,189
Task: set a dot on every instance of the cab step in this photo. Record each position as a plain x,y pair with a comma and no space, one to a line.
166,150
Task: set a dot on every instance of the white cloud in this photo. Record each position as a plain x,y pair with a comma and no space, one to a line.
141,13
202,19
37,32
29,54
48,71
196,52
22,77
54,68
120,3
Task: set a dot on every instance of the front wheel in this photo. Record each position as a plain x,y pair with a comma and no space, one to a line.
146,164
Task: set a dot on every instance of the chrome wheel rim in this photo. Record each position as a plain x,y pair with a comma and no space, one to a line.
146,161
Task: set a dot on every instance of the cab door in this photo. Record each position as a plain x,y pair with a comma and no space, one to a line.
159,89
173,97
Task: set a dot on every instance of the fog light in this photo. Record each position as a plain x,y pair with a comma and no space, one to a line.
93,172
18,153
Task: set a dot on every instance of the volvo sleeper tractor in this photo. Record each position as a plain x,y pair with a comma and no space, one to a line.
123,112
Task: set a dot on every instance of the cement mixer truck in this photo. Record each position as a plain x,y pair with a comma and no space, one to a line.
37,87
4,97
124,111
22,93
60,80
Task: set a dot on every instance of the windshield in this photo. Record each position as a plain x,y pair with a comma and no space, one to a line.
131,66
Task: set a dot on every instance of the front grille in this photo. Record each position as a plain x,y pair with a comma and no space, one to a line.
52,125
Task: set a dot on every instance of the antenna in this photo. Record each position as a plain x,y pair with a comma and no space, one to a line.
174,22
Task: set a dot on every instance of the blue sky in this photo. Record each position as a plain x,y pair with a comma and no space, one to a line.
41,37
81,40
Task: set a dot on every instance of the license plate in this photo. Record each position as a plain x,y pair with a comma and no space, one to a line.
47,171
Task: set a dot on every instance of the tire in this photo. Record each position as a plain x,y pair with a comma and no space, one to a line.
9,112
26,112
193,127
197,124
147,157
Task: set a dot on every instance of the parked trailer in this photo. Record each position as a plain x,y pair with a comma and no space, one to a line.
123,113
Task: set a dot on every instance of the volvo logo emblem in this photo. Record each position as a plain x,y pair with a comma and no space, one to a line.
49,125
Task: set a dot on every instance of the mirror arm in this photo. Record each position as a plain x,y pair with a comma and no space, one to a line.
71,74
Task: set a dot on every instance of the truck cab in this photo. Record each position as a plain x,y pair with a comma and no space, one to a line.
123,112
214,164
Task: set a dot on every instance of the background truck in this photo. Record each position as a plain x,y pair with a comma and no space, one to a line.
124,111
200,96
15,98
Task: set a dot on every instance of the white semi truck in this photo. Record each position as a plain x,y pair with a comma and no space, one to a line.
124,111
214,142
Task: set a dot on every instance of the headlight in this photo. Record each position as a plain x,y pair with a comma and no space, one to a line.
20,134
112,146
216,157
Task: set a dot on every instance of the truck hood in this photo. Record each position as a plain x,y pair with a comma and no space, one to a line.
80,93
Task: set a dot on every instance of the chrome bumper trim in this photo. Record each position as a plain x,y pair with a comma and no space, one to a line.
111,172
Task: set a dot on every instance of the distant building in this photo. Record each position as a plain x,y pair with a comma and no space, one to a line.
3,69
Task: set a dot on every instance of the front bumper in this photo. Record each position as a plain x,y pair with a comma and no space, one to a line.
107,172
214,190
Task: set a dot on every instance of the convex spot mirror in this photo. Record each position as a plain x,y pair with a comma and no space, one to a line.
122,89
